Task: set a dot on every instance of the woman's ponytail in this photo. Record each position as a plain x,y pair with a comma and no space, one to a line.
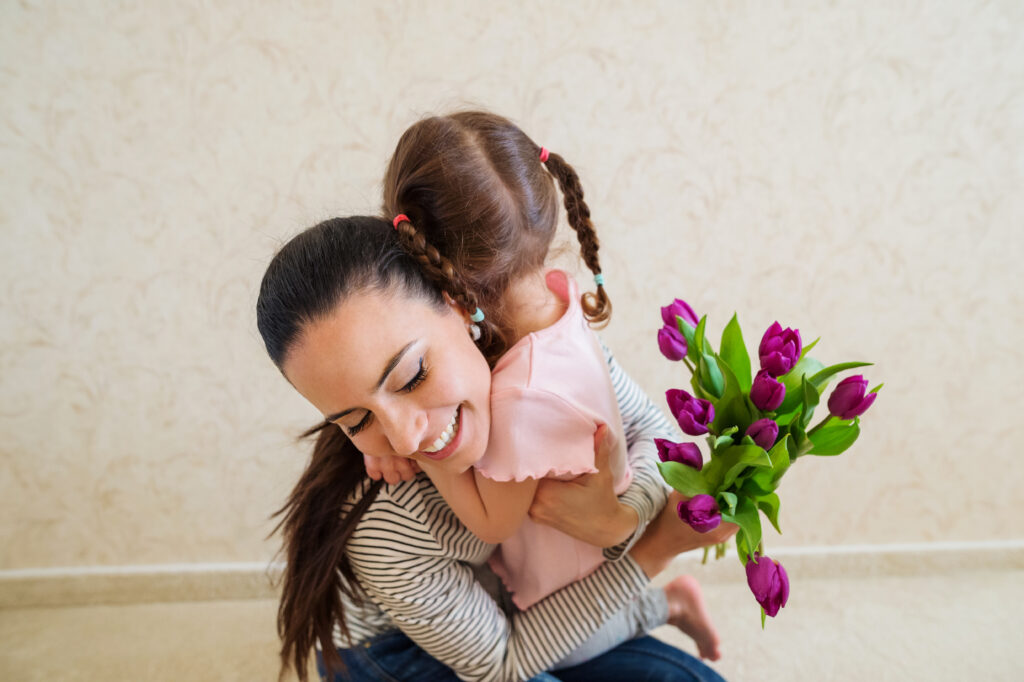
316,530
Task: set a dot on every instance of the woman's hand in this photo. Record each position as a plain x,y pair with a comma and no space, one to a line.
391,469
586,507
667,535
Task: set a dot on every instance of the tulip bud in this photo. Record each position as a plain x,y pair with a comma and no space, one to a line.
848,400
780,349
693,414
767,393
700,512
671,343
684,453
764,432
768,581
679,308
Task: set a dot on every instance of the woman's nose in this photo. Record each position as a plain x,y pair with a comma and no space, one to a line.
405,430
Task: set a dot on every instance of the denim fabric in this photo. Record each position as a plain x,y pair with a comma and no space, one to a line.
393,657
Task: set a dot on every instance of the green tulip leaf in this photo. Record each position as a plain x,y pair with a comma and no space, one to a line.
729,431
734,353
730,412
698,336
746,517
822,376
792,381
876,389
769,504
835,438
688,333
742,548
736,459
779,455
759,484
711,375
727,502
809,401
722,442
683,478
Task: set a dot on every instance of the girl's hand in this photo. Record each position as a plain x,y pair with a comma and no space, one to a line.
391,469
586,507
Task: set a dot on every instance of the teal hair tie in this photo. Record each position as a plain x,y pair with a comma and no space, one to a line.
599,279
478,316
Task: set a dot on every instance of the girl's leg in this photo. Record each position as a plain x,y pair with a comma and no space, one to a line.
393,657
644,659
643,614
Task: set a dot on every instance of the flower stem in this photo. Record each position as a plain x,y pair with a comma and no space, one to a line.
819,426
693,370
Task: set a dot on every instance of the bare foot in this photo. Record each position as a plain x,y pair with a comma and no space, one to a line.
687,611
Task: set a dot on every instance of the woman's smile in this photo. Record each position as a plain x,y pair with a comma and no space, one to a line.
448,441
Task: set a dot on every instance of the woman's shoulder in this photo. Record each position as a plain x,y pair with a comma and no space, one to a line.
411,518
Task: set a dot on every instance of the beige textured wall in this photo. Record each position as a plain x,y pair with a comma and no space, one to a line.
855,171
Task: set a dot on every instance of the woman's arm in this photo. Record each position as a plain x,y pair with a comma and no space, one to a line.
406,555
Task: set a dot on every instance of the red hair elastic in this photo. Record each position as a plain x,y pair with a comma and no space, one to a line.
543,155
401,217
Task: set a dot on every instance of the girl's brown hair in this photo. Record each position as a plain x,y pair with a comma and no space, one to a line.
475,190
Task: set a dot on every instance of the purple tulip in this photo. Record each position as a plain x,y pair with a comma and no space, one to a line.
671,343
682,309
780,349
684,453
848,400
769,583
767,393
764,432
701,512
693,414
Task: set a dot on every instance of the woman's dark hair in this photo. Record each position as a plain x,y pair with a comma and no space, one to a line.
476,191
307,279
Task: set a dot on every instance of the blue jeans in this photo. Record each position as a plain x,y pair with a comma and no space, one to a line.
393,657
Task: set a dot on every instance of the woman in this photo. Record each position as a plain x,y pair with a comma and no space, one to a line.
386,574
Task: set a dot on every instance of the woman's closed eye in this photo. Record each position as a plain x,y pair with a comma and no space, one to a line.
421,374
418,378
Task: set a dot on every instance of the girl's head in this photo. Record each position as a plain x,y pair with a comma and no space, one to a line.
476,190
351,321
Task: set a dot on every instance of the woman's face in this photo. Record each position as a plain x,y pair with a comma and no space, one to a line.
399,377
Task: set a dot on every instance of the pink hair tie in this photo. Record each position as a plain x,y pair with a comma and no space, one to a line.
543,155
400,218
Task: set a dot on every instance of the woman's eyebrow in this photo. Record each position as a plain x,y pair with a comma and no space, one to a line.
392,363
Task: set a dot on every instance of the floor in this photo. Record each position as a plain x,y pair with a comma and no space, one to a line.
961,625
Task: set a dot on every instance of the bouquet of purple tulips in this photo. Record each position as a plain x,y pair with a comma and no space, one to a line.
756,425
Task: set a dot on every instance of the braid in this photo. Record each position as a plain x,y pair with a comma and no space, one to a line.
597,307
443,274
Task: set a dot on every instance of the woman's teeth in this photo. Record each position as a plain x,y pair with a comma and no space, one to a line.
447,436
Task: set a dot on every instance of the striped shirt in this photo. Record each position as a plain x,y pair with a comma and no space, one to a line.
414,562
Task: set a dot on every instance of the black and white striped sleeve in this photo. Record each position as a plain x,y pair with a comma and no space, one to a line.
642,422
402,556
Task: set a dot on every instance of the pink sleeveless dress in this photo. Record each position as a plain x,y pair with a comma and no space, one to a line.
549,393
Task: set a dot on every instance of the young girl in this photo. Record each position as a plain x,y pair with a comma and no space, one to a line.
473,198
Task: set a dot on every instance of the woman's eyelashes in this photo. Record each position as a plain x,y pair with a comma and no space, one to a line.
417,379
420,375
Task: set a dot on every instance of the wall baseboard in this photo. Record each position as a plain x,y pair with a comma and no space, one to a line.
92,585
